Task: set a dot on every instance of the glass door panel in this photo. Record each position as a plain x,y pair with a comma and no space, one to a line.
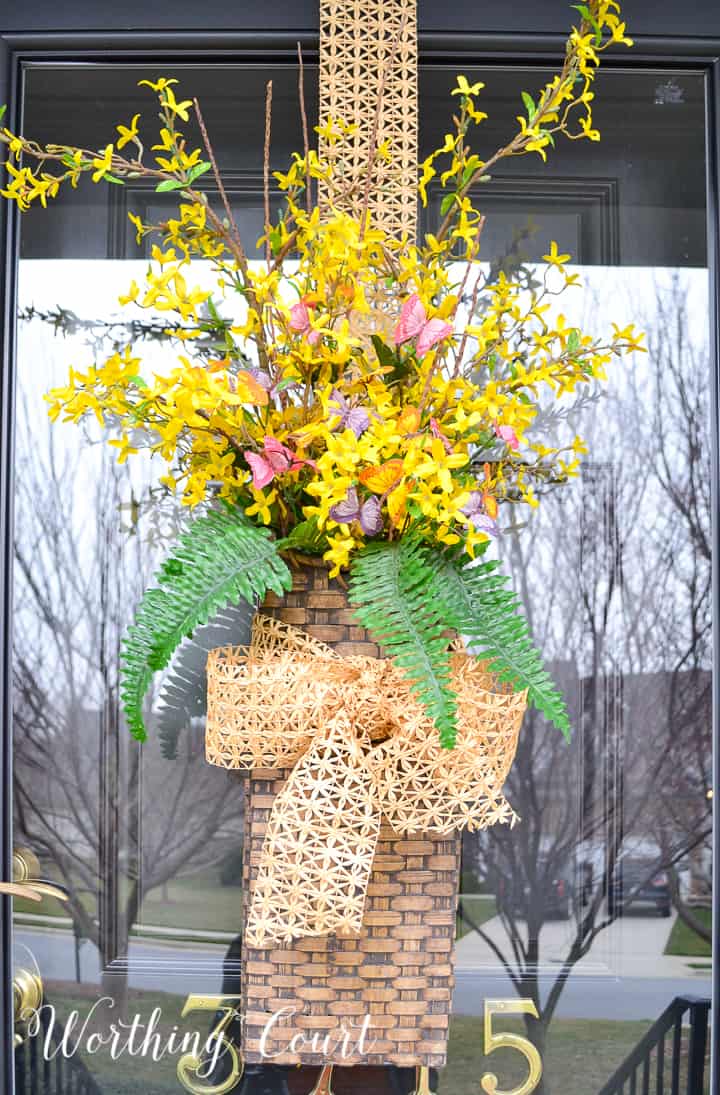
146,841
595,907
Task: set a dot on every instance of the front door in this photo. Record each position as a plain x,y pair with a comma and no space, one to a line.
577,929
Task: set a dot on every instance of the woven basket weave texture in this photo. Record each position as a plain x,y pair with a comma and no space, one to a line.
399,970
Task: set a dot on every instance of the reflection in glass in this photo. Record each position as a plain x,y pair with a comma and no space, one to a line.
569,908
616,828
148,847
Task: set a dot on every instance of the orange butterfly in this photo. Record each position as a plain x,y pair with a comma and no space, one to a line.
382,479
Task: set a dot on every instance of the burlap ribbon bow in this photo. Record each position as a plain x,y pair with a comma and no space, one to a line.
360,747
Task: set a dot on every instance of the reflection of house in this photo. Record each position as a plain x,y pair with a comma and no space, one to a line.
636,773
655,731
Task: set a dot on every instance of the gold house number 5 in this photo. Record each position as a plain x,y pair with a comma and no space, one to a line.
489,1082
190,1064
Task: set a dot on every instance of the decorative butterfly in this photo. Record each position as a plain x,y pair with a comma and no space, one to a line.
350,509
414,323
300,321
276,459
476,511
247,388
409,420
263,378
243,383
384,478
508,435
350,418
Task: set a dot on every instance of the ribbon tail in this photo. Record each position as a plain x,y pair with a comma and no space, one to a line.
318,851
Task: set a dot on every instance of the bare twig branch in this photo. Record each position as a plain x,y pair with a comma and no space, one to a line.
306,137
218,177
266,169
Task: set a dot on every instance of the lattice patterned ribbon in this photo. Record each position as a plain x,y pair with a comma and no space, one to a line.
368,52
360,747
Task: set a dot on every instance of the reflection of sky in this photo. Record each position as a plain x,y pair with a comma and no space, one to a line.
91,290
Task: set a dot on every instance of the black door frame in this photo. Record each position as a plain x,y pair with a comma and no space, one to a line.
18,51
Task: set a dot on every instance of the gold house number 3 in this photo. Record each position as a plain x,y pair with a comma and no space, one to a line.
507,1040
190,1066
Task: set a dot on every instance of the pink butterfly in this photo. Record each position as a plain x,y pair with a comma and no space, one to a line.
276,460
300,321
414,323
508,435
368,514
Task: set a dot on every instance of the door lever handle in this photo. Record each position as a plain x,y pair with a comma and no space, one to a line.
41,889
26,881
14,889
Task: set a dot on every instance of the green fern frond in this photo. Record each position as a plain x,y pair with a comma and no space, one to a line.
220,560
388,590
306,538
477,602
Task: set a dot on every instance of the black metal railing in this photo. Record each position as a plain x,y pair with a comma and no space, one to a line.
671,1058
40,1073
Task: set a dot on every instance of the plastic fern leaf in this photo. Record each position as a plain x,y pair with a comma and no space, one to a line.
220,560
389,593
478,603
183,696
306,538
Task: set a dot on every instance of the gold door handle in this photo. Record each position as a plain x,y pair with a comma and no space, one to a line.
27,881
15,890
27,998
35,889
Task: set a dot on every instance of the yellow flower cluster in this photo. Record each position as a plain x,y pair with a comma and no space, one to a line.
562,107
363,390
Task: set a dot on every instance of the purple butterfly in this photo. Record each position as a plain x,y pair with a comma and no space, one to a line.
475,510
351,418
264,379
368,514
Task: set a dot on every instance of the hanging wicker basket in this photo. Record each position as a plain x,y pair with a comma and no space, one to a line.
389,971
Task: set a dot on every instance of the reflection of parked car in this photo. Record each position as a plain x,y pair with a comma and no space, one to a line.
634,883
554,892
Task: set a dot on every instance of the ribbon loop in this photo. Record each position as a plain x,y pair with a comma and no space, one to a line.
360,746
314,872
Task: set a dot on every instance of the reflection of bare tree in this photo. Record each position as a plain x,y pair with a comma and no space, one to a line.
112,820
678,421
110,335
616,578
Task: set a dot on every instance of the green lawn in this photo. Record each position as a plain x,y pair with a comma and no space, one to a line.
480,908
685,942
580,1056
200,903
